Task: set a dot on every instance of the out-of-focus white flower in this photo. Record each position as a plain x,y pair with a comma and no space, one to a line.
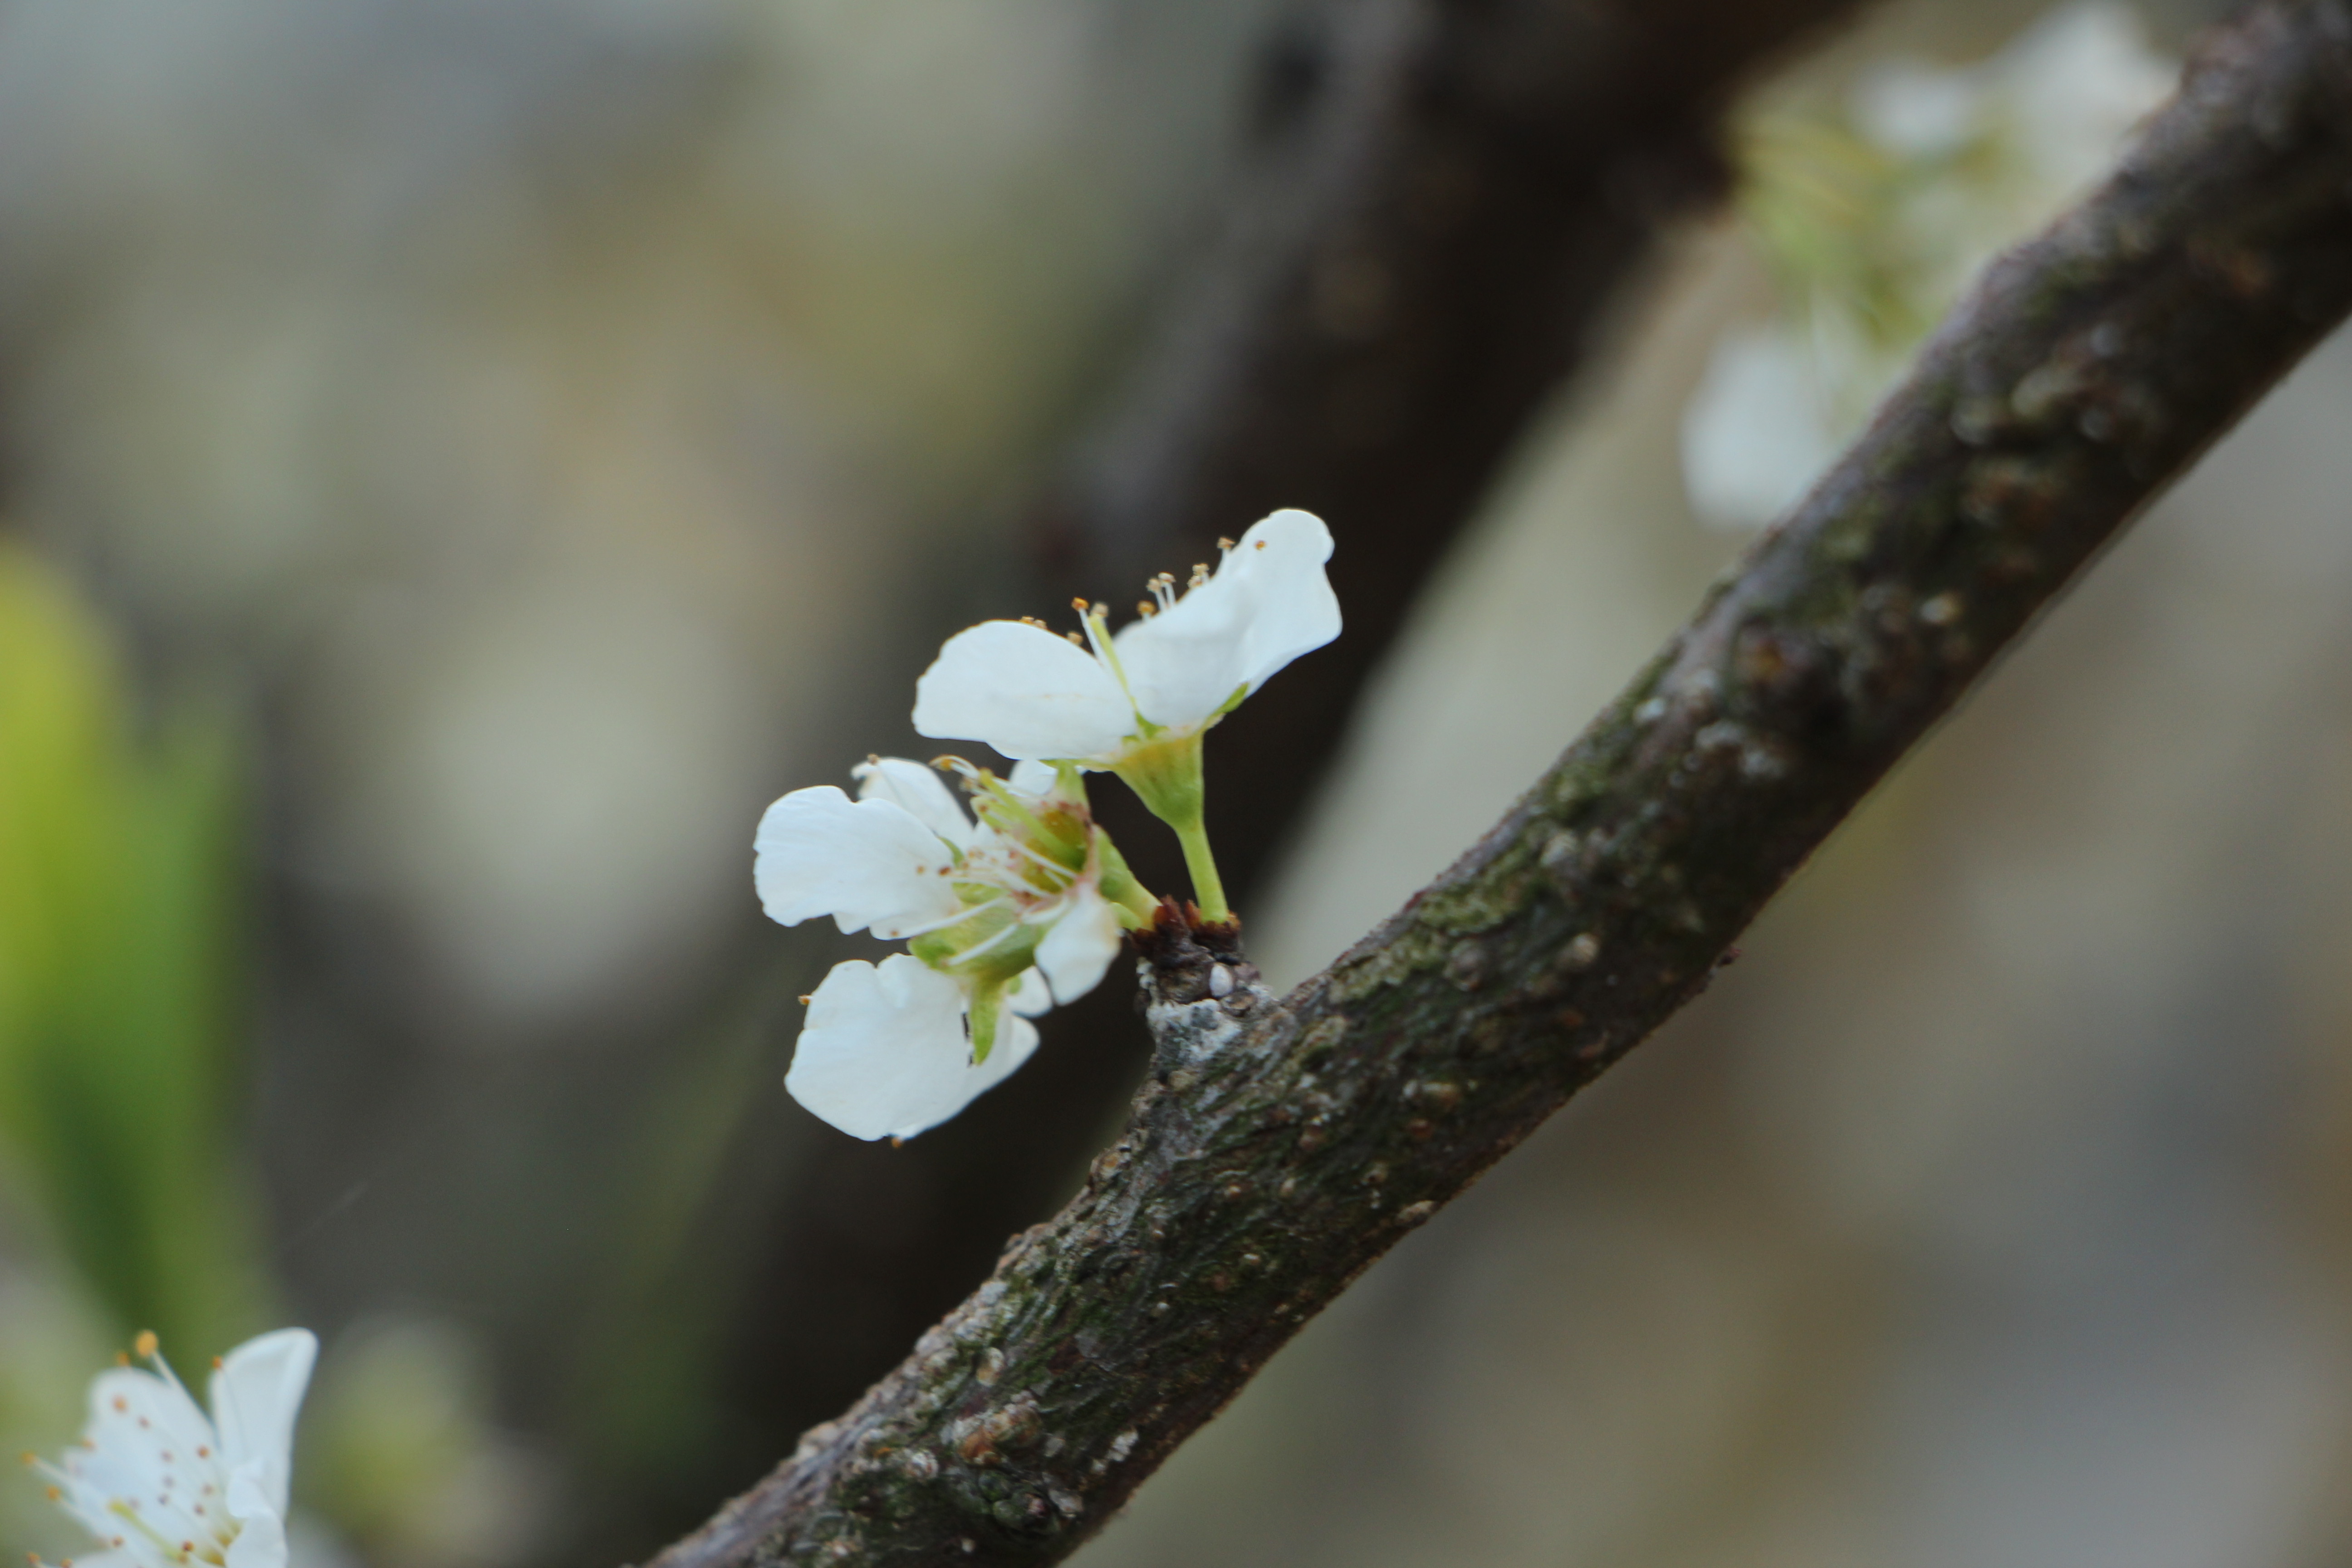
162,1485
1006,916
1137,704
1758,429
1874,214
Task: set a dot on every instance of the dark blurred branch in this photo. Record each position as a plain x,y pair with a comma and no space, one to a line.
1283,1145
1439,205
1445,200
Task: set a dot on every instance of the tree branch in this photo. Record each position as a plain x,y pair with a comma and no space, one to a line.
1284,1144
1437,207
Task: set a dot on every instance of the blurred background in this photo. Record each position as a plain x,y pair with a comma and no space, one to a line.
460,458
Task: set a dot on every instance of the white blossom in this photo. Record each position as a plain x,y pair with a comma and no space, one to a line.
1137,703
1007,915
1029,693
1874,213
160,1484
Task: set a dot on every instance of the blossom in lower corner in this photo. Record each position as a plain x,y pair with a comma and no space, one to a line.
1005,914
1137,703
161,1484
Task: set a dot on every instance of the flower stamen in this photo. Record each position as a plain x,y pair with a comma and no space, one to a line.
1062,875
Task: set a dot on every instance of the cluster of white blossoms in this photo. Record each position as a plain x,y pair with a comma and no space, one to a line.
1874,213
160,1484
1021,906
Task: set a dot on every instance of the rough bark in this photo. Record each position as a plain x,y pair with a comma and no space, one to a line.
1282,1144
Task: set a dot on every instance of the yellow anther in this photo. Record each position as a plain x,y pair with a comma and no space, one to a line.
122,1358
1145,607
29,1457
1079,605
1224,543
806,1000
55,1494
1076,639
144,1346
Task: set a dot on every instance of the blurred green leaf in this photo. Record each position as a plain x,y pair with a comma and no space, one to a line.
120,915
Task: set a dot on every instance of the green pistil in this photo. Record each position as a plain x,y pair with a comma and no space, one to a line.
998,799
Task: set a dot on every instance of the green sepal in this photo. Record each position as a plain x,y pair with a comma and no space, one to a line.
984,1010
1166,776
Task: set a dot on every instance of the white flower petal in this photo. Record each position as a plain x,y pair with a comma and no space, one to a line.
1080,946
1030,776
1759,431
1030,995
88,1505
884,1053
261,1531
255,1391
135,1418
865,863
918,790
261,1543
1268,602
1024,691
